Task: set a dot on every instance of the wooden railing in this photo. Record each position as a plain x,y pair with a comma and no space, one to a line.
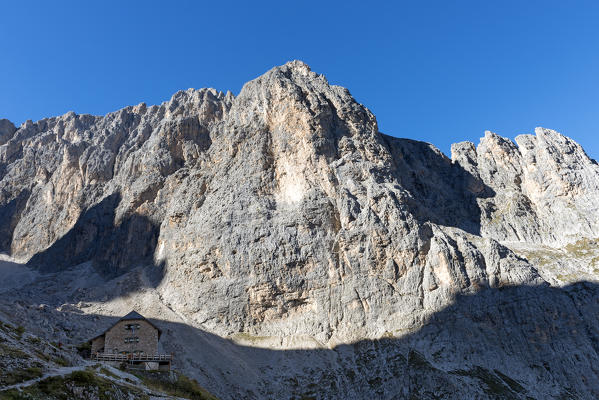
131,357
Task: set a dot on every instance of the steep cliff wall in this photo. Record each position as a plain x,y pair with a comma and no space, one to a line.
284,213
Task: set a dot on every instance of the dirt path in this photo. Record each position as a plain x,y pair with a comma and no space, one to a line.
55,372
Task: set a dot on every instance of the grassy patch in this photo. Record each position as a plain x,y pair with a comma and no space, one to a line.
61,361
43,356
107,372
18,376
585,252
78,385
582,247
243,336
19,330
539,257
568,277
6,327
84,377
179,385
33,340
12,394
12,352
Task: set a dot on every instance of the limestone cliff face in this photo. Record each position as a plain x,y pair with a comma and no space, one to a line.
286,201
546,187
284,213
545,204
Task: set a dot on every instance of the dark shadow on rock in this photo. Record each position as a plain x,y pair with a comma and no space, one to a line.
9,217
112,248
442,192
525,342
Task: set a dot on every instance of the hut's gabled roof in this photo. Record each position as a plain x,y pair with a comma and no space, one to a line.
132,316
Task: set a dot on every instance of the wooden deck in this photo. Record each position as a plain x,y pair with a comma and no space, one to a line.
132,357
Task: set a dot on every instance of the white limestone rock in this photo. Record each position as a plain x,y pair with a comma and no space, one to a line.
283,217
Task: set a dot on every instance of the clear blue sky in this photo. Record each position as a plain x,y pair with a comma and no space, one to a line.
438,71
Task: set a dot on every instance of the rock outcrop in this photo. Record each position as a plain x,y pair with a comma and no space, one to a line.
284,214
547,188
546,201
7,128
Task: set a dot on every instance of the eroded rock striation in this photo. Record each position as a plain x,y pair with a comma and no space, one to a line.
283,216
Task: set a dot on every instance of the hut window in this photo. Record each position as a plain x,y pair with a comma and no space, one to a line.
131,326
132,339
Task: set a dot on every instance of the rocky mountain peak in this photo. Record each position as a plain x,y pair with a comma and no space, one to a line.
294,99
283,216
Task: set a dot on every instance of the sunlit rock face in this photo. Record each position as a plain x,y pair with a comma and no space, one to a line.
546,187
283,213
280,212
546,200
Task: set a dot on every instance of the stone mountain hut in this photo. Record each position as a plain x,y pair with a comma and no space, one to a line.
132,339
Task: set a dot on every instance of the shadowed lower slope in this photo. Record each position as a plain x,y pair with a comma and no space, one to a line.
513,343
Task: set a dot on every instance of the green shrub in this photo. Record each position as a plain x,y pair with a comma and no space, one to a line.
20,330
6,327
51,385
84,349
61,361
83,377
12,394
33,340
182,386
